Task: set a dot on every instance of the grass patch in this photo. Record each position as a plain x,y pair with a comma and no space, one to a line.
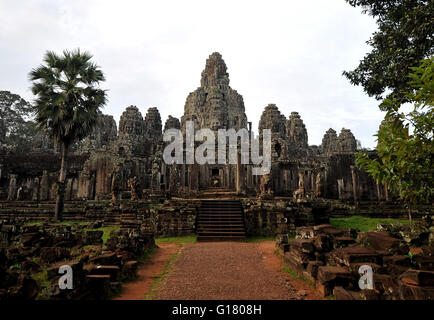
157,280
288,270
42,278
294,274
278,252
177,240
362,223
153,289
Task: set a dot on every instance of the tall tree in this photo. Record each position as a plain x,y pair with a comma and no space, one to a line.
15,127
405,142
404,38
68,98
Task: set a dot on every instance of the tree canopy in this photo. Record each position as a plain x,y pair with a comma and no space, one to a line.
16,127
68,97
405,141
404,38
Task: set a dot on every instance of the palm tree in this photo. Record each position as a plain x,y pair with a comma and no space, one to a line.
68,99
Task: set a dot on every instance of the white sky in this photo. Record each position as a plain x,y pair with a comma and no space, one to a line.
291,53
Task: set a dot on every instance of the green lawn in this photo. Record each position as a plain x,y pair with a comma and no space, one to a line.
177,240
362,223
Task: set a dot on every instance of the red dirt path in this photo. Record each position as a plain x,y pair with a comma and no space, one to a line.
219,270
136,290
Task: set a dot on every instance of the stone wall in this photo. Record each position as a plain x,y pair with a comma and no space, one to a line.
263,218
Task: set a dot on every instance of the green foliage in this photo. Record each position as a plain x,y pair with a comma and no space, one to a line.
176,240
68,97
42,278
16,128
404,37
288,270
159,279
362,223
13,110
405,160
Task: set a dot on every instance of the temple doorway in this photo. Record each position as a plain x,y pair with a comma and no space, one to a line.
216,179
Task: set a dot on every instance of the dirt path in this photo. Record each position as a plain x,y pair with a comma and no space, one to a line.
274,262
229,270
137,289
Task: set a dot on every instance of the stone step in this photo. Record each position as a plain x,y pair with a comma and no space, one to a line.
220,238
221,225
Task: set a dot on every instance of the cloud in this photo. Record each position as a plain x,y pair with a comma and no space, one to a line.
152,52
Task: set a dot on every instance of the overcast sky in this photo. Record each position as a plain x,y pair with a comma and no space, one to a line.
291,53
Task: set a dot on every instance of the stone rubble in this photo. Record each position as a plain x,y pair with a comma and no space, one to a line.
331,259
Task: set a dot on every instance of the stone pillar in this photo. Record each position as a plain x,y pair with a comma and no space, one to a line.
35,189
193,177
319,185
183,170
45,188
68,192
249,176
12,190
241,176
92,187
341,189
354,181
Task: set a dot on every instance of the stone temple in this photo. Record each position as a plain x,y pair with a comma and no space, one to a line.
126,162
121,196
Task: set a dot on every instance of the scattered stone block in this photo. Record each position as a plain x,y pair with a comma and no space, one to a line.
98,286
312,268
411,292
94,237
110,258
424,262
354,267
414,277
342,294
53,254
381,240
328,273
385,284
354,254
330,277
113,271
130,270
323,243
303,245
369,294
76,266
341,242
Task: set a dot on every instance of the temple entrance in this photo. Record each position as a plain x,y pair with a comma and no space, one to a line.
216,178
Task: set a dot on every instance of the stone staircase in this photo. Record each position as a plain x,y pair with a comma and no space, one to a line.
220,220
217,193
